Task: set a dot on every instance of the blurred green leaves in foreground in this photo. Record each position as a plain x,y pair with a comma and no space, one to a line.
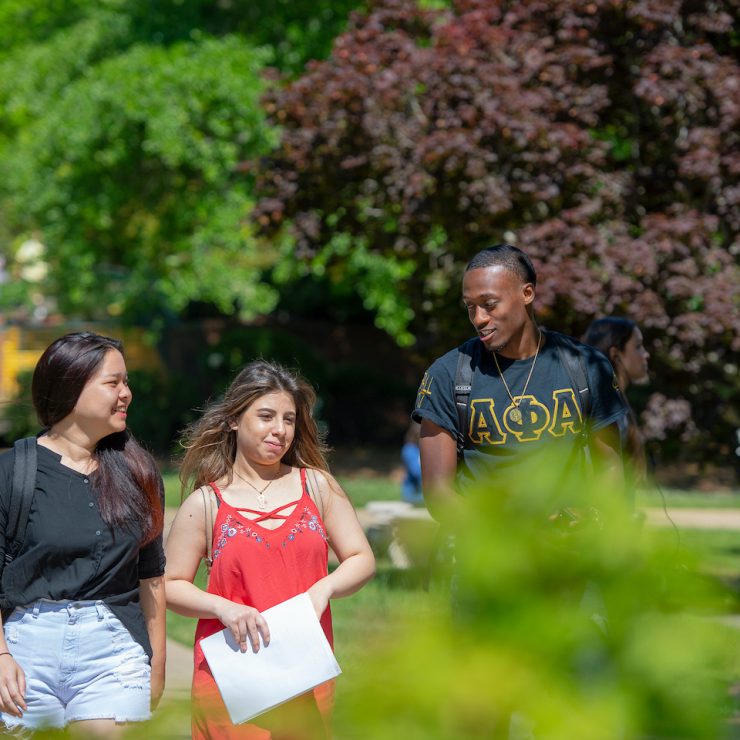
579,627
585,626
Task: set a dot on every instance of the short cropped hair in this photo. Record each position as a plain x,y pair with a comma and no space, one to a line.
507,256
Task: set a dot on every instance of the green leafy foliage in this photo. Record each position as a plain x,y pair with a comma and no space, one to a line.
596,631
131,178
123,129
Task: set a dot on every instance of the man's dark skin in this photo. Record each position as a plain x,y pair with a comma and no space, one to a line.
500,307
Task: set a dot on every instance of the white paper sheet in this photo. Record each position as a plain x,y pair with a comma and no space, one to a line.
297,659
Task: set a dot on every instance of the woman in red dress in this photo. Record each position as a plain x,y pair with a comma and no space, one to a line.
251,458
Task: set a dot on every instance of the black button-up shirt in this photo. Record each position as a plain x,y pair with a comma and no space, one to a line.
69,552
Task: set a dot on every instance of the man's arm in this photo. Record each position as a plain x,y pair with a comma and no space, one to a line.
438,465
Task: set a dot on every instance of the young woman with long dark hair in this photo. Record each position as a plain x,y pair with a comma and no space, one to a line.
85,642
620,339
251,457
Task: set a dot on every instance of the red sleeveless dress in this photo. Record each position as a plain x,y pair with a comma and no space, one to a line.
261,567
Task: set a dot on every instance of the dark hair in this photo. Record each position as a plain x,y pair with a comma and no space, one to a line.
210,442
611,331
511,258
126,483
615,331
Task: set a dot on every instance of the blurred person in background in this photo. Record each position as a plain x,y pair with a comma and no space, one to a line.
411,459
620,339
84,638
257,464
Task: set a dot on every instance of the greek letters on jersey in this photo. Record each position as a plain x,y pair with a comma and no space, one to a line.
550,411
486,427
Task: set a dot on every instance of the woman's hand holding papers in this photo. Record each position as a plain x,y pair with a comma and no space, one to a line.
246,624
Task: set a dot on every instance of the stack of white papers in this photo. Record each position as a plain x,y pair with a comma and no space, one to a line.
297,659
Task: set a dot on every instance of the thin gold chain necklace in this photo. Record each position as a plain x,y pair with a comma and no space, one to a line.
261,500
516,414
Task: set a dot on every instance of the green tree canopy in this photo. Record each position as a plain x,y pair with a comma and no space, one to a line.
132,177
123,129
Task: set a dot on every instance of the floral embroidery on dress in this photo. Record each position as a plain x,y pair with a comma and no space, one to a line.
307,521
230,528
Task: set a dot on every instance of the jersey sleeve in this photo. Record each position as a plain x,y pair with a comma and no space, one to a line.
435,399
607,402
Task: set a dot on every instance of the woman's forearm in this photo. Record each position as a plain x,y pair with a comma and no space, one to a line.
154,607
185,598
350,575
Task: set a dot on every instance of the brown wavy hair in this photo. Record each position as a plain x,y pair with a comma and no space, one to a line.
210,443
126,483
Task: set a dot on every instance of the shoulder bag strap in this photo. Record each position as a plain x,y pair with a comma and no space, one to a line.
208,511
21,495
312,486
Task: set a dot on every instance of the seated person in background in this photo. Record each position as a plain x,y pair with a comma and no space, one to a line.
411,486
620,340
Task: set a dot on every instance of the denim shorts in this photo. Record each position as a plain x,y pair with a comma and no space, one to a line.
80,663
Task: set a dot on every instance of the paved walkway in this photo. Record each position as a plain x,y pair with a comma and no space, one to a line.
174,709
696,518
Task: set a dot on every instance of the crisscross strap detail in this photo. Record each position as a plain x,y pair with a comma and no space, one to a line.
265,515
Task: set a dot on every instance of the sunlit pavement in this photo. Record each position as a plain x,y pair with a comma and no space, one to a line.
696,518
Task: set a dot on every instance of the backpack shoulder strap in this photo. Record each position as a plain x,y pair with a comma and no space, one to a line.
572,361
463,386
21,495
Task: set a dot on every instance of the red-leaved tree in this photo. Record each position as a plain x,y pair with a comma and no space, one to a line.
602,137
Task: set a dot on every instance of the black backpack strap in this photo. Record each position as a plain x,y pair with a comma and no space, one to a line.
21,495
463,386
572,361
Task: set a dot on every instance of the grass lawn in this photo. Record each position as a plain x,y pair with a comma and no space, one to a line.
681,499
720,549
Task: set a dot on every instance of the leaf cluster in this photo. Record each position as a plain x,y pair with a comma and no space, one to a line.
124,129
597,632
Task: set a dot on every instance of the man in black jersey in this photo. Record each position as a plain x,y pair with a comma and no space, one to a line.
522,404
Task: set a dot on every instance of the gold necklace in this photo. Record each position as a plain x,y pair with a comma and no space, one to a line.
516,414
261,500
